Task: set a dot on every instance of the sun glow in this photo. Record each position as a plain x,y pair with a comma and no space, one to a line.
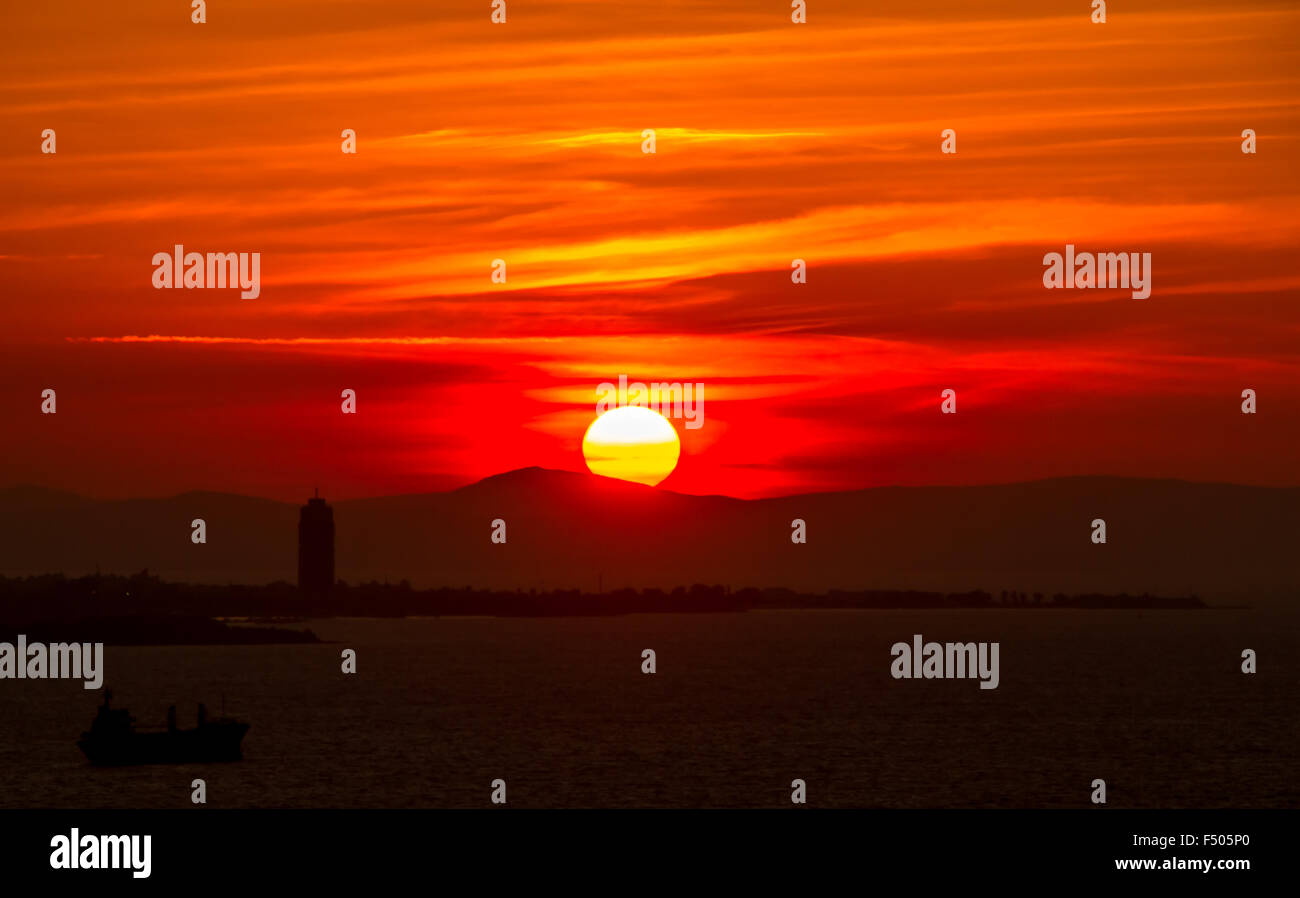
632,443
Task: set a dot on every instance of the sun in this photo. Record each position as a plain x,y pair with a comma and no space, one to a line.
632,443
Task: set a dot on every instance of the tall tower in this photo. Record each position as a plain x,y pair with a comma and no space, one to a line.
316,548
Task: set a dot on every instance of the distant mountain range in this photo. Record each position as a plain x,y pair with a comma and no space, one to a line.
567,530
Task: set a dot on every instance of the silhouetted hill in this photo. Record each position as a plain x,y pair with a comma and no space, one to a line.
141,609
565,530
49,531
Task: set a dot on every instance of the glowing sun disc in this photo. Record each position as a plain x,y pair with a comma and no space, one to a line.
631,443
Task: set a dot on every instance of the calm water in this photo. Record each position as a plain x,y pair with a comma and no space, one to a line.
1153,702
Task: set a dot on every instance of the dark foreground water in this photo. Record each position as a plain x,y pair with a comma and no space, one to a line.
1152,702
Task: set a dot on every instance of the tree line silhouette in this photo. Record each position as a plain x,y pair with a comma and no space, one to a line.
54,598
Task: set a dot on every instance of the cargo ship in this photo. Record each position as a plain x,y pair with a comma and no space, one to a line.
114,740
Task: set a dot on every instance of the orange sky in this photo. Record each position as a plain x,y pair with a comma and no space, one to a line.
522,142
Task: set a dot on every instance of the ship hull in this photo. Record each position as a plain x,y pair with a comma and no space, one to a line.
210,744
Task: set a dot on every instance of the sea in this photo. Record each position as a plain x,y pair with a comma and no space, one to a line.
740,706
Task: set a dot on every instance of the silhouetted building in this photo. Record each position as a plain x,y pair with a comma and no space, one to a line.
316,547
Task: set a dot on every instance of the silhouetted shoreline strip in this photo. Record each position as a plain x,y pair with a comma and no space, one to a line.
143,607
